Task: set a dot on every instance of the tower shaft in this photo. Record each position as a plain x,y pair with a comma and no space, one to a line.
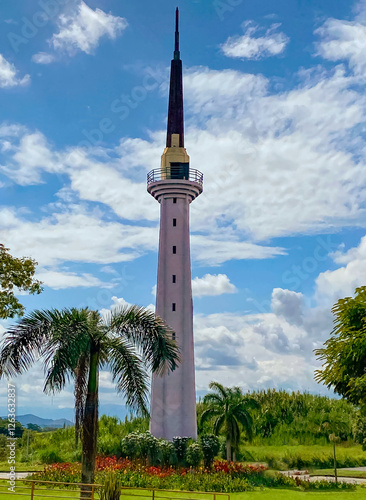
175,185
173,398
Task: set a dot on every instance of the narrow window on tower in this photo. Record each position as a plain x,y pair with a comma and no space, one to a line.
174,278
174,200
173,306
174,249
174,222
173,336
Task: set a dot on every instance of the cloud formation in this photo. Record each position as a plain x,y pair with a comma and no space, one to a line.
249,46
83,29
336,284
43,58
345,40
9,75
262,350
212,284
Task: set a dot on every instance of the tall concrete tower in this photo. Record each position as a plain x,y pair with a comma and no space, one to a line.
175,185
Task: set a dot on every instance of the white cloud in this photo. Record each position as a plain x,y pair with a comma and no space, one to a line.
61,279
261,173
248,46
345,40
43,58
342,282
8,75
83,29
212,284
288,304
210,250
29,157
93,239
261,350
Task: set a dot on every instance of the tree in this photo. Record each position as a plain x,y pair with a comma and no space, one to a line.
344,354
17,274
230,410
34,427
74,344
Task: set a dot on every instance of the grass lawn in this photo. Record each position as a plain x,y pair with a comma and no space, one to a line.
21,467
266,494
340,473
260,452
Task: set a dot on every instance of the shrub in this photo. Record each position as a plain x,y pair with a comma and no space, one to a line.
49,456
111,489
210,446
166,449
141,445
194,455
180,446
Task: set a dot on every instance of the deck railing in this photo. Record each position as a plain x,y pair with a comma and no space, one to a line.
182,172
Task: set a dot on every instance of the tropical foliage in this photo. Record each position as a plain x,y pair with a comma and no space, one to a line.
344,354
298,418
74,344
229,409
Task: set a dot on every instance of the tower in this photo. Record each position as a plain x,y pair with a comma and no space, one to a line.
175,185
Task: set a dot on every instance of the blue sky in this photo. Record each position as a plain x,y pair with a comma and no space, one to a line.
275,119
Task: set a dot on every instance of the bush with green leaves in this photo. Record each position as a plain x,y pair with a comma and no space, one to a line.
50,456
167,452
210,446
194,455
130,446
180,446
112,486
141,445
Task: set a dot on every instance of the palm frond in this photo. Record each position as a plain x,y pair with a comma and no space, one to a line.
209,413
213,399
149,333
128,374
216,386
28,340
70,342
218,424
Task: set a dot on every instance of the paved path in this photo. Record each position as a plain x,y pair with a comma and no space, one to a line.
18,475
305,476
357,469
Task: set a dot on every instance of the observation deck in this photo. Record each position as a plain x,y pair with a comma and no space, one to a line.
174,181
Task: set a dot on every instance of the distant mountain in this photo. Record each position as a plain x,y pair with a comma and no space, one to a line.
43,422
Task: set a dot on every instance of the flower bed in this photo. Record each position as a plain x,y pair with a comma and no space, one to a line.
221,477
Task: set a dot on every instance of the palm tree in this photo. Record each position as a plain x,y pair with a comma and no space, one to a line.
74,344
230,410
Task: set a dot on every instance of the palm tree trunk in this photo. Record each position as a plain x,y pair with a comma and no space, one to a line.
228,450
90,423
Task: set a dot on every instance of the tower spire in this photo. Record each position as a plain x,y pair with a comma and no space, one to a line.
176,34
175,112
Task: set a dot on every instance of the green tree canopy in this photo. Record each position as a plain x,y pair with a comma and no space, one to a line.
15,274
344,354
